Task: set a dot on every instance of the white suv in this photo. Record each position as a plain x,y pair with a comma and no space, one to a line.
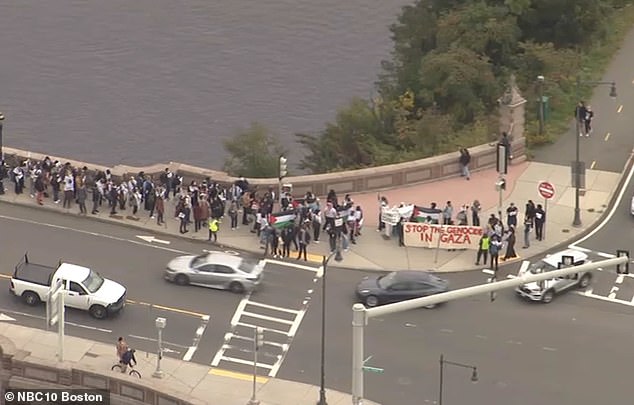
545,291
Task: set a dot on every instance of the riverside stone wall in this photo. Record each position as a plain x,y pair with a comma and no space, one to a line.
351,181
18,370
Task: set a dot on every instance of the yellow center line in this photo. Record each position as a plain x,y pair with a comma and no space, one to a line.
237,376
607,136
620,108
594,163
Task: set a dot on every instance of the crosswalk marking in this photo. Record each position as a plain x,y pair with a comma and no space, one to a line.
267,306
266,318
247,362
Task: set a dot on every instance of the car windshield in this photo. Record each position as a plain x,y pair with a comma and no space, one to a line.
386,281
93,282
540,267
247,266
198,260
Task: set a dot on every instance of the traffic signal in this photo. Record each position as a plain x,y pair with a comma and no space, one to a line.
259,337
500,185
283,167
623,268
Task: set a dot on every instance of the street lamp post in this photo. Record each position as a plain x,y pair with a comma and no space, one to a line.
474,373
324,264
1,123
577,169
540,82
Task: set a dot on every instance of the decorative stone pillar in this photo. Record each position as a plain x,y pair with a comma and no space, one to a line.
512,110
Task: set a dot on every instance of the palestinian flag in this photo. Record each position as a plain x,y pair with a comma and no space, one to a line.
283,219
420,214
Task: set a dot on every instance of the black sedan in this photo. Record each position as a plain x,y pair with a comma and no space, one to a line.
399,286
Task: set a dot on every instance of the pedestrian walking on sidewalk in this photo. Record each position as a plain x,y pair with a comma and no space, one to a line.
530,211
540,219
495,245
527,230
233,214
82,195
39,187
511,215
483,249
447,213
587,122
510,244
69,189
303,240
475,213
580,116
214,227
159,205
464,160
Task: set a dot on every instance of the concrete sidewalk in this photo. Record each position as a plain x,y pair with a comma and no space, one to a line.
373,252
194,383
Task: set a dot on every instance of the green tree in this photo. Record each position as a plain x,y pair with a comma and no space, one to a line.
349,142
253,152
460,81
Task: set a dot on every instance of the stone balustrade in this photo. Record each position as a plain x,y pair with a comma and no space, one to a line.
351,181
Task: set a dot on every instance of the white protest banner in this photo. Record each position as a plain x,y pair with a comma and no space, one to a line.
390,215
450,236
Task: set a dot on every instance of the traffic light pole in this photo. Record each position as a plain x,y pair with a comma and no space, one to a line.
361,315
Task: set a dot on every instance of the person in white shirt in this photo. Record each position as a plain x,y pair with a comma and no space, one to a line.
69,189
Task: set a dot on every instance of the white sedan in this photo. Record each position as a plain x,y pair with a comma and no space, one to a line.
215,270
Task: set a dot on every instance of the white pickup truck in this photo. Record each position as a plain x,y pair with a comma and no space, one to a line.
83,288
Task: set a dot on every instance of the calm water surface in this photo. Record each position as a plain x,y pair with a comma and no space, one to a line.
144,81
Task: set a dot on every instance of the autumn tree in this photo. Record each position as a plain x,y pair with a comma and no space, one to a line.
253,152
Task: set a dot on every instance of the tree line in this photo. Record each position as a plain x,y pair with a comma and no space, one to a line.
438,91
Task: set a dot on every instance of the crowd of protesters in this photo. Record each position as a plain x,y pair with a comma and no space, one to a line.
204,205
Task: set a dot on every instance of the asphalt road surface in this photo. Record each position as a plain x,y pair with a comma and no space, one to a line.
572,351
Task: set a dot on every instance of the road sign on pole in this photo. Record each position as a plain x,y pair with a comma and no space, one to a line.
546,190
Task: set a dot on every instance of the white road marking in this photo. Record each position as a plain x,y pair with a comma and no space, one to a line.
619,279
266,318
199,333
239,309
282,346
150,239
247,362
589,291
580,249
481,337
4,317
488,271
149,339
549,349
606,255
289,264
607,299
267,306
252,326
513,342
77,325
295,326
96,234
613,292
446,330
607,219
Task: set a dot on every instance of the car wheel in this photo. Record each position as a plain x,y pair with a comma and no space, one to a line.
585,281
236,287
30,298
548,296
371,301
181,279
98,311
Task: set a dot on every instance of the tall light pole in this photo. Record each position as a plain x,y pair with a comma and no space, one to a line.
474,373
540,83
324,265
1,123
577,169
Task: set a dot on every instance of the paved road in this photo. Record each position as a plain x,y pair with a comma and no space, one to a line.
520,349
610,144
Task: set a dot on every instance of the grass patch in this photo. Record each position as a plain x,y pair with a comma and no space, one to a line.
595,62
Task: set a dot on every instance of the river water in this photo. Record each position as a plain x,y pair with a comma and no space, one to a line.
147,81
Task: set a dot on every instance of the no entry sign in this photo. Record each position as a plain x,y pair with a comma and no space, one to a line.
546,190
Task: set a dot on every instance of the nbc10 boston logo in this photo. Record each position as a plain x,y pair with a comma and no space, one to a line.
25,396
